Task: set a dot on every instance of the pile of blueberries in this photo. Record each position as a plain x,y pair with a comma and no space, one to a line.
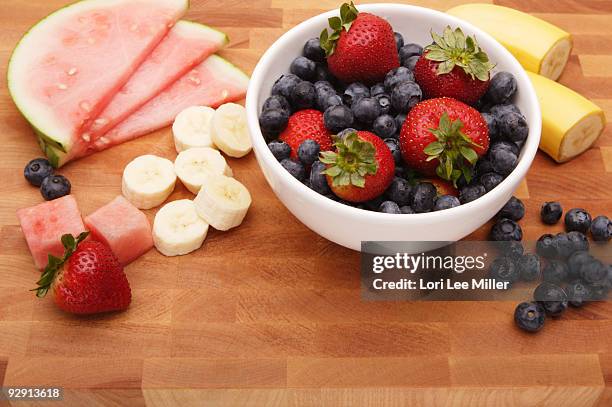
569,273
382,109
40,173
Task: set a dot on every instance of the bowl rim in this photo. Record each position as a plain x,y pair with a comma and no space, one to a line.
299,31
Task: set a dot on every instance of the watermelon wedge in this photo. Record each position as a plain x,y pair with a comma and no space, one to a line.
67,68
186,45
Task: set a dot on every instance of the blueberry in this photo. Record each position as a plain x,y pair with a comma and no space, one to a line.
579,240
308,152
504,269
397,76
377,89
501,88
471,192
490,180
323,94
577,293
407,210
374,203
555,271
303,96
389,207
576,261
563,246
577,219
483,165
284,85
410,62
277,102
546,246
512,126
304,68
384,126
410,50
423,197
513,209
384,101
491,125
399,40
318,180
512,249
601,229
295,168
399,191
395,149
501,109
273,122
366,109
55,186
529,267
280,150
506,230
322,73
399,120
594,272
503,161
446,202
37,170
323,84
551,212
337,118
354,92
506,146
313,51
552,298
529,316
405,96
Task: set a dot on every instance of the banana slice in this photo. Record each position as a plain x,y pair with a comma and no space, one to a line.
191,128
570,122
177,228
538,45
148,181
230,131
194,165
223,202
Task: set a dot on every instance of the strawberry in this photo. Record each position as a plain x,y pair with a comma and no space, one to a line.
304,125
442,186
453,66
444,137
88,279
361,47
361,169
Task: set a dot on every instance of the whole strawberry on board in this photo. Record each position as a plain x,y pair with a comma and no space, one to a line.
361,168
453,66
304,125
444,137
361,47
88,279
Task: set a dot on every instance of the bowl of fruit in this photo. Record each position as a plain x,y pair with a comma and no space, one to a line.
392,122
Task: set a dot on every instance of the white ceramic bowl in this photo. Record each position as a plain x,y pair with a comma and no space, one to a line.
346,225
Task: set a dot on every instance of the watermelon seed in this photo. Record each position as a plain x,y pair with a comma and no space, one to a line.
103,140
101,121
86,137
195,80
72,71
85,106
224,94
134,27
62,86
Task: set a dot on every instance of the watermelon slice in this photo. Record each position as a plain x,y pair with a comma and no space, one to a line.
66,69
43,226
186,45
123,227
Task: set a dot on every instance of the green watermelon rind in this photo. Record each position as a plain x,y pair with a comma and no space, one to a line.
225,38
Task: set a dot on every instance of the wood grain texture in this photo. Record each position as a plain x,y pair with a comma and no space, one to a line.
270,314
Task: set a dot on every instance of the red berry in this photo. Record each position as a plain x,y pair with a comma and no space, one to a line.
304,125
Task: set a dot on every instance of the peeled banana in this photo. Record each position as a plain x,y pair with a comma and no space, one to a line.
148,180
538,45
177,228
223,202
192,166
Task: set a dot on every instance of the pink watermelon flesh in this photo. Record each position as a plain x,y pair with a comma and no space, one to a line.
43,226
186,45
212,83
123,227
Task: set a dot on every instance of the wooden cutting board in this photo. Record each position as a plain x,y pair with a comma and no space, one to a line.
270,313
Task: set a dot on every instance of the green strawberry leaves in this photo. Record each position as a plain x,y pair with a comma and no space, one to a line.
348,14
453,48
353,160
54,264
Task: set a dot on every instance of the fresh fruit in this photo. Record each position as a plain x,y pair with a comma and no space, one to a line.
501,90
318,180
397,76
384,127
513,209
303,96
37,170
538,45
445,137
576,261
512,249
446,202
551,212
503,161
443,187
308,152
570,122
529,316
454,66
354,92
284,85
304,68
506,230
84,45
577,219
177,228
579,240
399,40
377,89
277,102
361,169
361,47
564,246
192,128
546,246
601,229
409,51
513,126
552,298
272,122
230,131
490,180
405,95
411,62
303,125
555,271
223,202
280,150
87,279
313,51
399,191
148,181
471,192
577,293
55,186
593,272
423,197
195,165
384,101
393,146
186,45
389,207
44,224
337,118
503,269
295,168
529,266
123,228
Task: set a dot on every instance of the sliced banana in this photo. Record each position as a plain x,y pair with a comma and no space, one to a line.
191,128
148,180
223,202
229,130
177,228
193,166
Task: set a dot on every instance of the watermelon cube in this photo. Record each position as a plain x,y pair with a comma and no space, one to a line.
123,227
43,226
